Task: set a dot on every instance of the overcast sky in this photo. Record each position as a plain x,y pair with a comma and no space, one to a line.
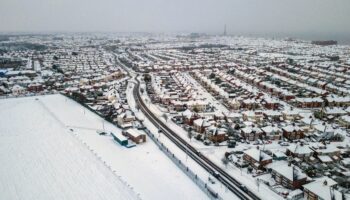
241,16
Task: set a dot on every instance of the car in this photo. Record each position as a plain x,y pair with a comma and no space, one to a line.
247,141
304,142
238,152
244,188
231,144
284,144
216,174
206,142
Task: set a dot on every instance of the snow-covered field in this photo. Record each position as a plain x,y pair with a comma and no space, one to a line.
41,159
38,146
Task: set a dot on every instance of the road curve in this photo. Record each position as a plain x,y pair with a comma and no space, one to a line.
231,183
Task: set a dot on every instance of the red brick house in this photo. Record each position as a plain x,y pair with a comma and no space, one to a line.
256,158
288,176
135,135
293,132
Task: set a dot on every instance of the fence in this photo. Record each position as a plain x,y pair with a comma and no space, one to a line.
199,182
28,95
202,184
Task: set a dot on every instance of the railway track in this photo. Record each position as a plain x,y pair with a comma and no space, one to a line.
231,183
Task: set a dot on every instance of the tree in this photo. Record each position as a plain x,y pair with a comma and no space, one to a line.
318,114
232,71
218,80
278,83
224,161
79,97
165,116
290,61
190,132
250,169
147,77
230,131
212,76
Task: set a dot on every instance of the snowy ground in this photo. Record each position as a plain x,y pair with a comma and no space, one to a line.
145,168
215,154
41,159
202,173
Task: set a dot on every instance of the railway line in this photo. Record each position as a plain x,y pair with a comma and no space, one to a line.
231,183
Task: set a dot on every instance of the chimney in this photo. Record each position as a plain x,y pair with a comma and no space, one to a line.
325,182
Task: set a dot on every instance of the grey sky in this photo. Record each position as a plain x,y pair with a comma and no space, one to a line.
241,16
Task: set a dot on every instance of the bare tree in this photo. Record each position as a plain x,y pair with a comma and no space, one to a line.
190,133
225,161
165,116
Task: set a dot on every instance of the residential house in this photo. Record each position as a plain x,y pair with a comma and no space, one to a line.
216,135
125,119
199,125
135,135
188,117
256,158
300,151
252,133
322,189
290,114
272,132
252,116
344,121
292,132
288,176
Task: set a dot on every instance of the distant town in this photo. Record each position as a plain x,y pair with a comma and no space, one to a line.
226,117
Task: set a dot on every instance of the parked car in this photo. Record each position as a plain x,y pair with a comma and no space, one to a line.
206,142
284,144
